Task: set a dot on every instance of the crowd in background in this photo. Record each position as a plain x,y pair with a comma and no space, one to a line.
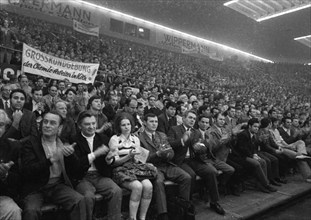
197,117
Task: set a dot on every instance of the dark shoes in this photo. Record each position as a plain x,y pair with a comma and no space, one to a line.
275,183
217,208
281,180
270,188
163,216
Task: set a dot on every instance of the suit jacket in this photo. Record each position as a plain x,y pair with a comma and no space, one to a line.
153,110
110,112
150,145
2,104
29,105
80,162
27,126
289,139
174,138
245,146
9,151
231,123
209,145
222,148
164,124
35,167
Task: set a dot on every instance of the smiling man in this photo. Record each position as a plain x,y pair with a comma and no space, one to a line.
23,121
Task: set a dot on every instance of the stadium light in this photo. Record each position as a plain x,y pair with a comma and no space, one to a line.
230,2
130,17
284,12
303,37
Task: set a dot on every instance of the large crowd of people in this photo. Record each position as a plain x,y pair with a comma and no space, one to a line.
151,115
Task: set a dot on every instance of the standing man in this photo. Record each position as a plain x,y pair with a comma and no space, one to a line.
44,173
160,155
93,174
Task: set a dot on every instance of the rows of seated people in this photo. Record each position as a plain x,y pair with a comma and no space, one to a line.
120,60
65,143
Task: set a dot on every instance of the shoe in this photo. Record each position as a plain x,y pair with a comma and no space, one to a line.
217,208
271,189
308,180
281,180
303,157
163,216
263,189
275,183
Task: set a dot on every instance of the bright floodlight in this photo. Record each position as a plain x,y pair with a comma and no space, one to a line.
261,10
158,26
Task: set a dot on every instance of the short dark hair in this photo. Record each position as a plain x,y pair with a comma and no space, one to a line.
149,115
70,90
83,115
18,90
202,108
252,121
36,89
264,122
54,112
119,118
202,116
169,103
89,103
195,101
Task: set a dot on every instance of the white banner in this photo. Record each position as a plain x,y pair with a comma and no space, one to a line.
39,63
175,41
86,29
187,51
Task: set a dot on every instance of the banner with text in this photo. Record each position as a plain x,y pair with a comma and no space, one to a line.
69,9
85,29
175,42
39,63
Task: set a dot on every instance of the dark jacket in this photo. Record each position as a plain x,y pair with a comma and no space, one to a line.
9,151
79,166
164,124
35,167
245,147
27,126
161,139
289,139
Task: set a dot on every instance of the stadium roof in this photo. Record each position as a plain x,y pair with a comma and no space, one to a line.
272,38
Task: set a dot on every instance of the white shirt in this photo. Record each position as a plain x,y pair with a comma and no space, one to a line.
91,156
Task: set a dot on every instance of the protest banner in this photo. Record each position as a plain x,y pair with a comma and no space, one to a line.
85,29
36,62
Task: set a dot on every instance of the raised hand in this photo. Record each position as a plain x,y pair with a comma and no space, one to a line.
68,149
102,150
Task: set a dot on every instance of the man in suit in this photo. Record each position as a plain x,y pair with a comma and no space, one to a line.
92,174
151,108
36,104
44,173
246,150
24,122
5,97
160,154
182,139
111,108
167,119
289,137
230,120
10,178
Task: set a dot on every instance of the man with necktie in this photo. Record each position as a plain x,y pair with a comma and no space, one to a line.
183,139
160,154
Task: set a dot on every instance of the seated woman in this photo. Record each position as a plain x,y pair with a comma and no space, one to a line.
123,148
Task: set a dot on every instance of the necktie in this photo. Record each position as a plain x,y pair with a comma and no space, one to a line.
6,104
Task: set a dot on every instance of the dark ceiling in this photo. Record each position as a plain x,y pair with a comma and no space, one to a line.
272,39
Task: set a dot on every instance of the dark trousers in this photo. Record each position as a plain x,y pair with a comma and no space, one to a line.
60,194
175,174
208,172
95,183
258,168
272,165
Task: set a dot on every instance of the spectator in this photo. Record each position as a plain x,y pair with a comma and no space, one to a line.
167,119
93,174
44,174
124,146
